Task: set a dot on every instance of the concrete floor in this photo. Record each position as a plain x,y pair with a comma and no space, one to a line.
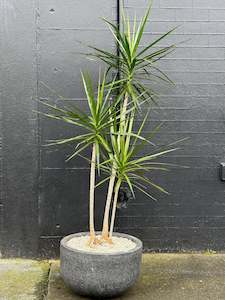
23,279
163,277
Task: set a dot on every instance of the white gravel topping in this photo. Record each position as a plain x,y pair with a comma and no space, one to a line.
120,244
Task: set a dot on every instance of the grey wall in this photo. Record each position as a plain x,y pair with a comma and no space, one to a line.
192,217
44,198
19,172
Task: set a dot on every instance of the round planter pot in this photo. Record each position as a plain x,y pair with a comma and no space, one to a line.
100,274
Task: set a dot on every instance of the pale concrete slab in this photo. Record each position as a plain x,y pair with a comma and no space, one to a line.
23,279
164,277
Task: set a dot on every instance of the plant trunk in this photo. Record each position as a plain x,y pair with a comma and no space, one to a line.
116,193
92,196
124,109
123,118
125,103
105,228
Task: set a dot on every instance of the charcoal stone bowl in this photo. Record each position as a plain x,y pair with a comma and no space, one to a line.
100,274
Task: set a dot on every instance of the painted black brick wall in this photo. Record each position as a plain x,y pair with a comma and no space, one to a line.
43,198
19,152
63,198
192,216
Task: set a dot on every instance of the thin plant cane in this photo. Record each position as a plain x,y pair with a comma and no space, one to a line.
105,229
121,135
105,226
116,193
92,240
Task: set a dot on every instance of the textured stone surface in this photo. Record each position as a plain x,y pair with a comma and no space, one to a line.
100,274
23,279
164,277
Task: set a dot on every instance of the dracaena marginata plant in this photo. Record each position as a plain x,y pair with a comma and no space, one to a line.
133,65
109,124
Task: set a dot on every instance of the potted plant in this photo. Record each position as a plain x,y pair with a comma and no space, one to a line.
105,263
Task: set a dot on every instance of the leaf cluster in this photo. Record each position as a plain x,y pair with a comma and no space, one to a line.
133,64
109,122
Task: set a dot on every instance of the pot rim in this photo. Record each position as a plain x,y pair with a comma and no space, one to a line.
138,242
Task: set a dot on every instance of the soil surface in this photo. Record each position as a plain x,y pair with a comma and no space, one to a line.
120,244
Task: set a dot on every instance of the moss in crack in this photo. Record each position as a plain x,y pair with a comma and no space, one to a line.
41,287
